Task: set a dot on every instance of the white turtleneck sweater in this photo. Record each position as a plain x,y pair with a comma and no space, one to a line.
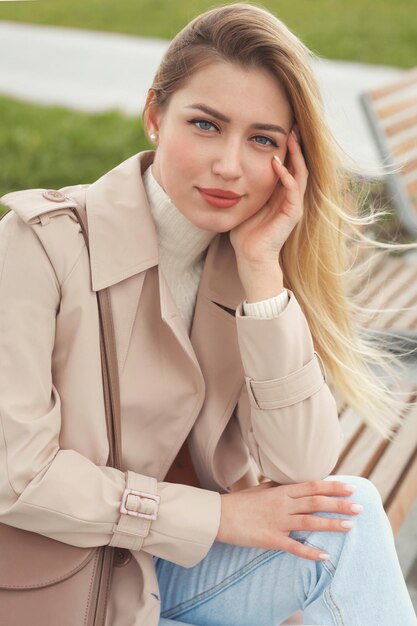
182,250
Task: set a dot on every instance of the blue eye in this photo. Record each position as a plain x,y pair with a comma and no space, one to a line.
264,141
204,125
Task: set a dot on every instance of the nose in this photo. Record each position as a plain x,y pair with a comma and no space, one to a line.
227,163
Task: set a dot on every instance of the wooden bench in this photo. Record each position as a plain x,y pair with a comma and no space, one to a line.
392,115
390,465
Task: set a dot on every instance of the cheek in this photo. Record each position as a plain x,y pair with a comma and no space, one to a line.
184,159
263,181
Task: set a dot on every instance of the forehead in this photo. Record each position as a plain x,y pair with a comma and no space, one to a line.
237,92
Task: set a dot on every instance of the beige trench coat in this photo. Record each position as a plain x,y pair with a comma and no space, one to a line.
245,391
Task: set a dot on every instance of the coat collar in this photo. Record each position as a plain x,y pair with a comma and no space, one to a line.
123,238
122,234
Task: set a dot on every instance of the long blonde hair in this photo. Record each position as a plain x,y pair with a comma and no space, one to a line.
317,256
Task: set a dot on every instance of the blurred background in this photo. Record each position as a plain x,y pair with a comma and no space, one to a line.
49,146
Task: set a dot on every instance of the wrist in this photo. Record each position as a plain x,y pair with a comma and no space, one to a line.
261,281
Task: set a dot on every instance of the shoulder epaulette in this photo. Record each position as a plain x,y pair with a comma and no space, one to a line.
31,204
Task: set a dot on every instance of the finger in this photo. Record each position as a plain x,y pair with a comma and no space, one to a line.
314,504
319,487
318,523
288,182
301,550
299,167
286,178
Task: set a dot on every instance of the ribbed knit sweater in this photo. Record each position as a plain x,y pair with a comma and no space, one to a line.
182,251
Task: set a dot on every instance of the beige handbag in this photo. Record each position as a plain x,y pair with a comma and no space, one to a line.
44,582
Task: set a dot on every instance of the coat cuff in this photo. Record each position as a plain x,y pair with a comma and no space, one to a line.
274,347
272,307
175,522
288,390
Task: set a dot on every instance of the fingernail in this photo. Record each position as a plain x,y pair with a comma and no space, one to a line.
324,556
356,508
277,159
349,487
347,524
295,135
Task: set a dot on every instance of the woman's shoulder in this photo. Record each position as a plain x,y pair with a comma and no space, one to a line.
43,219
31,204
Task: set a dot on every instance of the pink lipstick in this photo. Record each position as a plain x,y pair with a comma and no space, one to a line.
220,198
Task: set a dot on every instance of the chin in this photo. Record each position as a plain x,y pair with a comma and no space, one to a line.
214,225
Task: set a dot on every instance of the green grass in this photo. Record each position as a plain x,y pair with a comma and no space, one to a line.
52,147
383,31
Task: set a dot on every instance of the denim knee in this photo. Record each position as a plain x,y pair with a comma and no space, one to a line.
365,493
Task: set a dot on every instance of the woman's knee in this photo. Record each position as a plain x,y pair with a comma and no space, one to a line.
365,493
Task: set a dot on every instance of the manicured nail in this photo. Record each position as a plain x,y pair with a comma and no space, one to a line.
295,135
356,508
350,488
324,556
277,159
347,524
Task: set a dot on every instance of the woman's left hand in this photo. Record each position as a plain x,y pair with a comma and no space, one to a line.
259,239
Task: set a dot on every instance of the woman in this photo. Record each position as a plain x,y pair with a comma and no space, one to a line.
216,341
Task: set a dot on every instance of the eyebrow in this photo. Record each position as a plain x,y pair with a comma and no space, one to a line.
258,126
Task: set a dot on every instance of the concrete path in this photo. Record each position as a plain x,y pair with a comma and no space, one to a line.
94,71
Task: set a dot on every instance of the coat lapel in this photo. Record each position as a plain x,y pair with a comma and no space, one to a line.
123,245
122,239
214,339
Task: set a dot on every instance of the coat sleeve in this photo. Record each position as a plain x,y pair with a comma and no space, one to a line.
287,413
60,493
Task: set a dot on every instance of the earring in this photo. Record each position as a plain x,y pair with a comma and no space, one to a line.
153,136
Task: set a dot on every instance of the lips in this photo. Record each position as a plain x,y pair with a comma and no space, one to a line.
220,193
220,198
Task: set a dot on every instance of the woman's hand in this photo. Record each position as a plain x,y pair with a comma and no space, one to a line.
259,239
264,515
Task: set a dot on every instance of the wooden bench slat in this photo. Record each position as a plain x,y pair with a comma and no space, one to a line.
380,276
396,107
403,496
367,446
409,320
395,299
363,454
397,319
405,146
352,427
400,127
397,455
410,79
410,166
412,187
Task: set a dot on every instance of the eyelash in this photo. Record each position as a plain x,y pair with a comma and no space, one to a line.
194,122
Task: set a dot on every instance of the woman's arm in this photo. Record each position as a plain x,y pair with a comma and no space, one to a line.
59,492
293,430
287,412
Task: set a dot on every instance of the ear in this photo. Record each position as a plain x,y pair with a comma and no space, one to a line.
151,114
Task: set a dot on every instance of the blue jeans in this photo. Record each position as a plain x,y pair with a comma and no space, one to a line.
361,585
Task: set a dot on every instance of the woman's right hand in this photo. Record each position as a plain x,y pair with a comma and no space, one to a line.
264,515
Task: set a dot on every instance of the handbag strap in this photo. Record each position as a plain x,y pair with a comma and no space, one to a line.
112,409
108,358
108,361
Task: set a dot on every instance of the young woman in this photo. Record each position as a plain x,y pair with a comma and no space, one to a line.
223,250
